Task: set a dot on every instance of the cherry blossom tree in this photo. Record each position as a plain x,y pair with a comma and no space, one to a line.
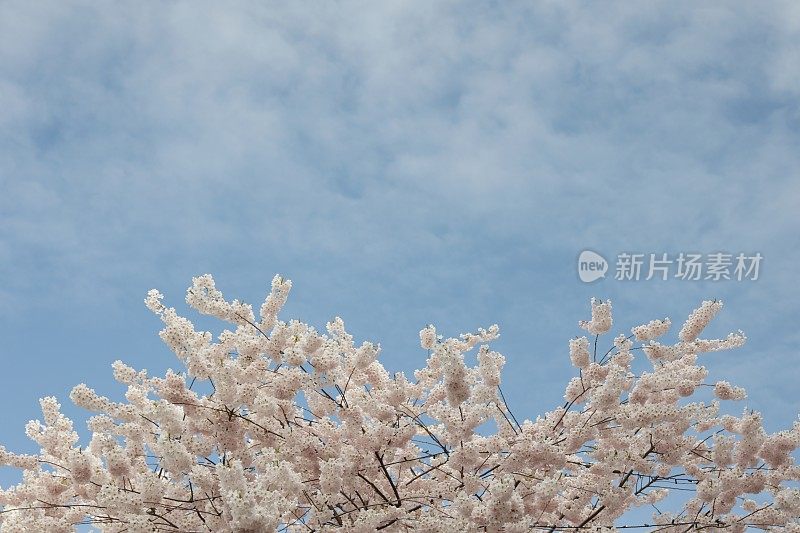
302,431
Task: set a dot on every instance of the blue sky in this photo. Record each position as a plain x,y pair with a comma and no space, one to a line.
403,163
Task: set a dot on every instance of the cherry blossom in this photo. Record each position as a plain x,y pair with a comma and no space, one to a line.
308,431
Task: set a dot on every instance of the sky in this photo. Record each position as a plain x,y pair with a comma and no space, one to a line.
403,163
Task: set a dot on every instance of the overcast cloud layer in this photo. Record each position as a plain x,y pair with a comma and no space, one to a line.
403,163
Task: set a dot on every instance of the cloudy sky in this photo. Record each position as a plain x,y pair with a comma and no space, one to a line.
403,163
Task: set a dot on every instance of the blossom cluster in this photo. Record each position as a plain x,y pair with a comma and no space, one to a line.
307,431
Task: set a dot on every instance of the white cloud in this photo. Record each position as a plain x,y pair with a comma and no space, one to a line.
390,131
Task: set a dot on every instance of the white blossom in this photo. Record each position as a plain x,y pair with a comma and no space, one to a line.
651,330
601,318
305,431
699,319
